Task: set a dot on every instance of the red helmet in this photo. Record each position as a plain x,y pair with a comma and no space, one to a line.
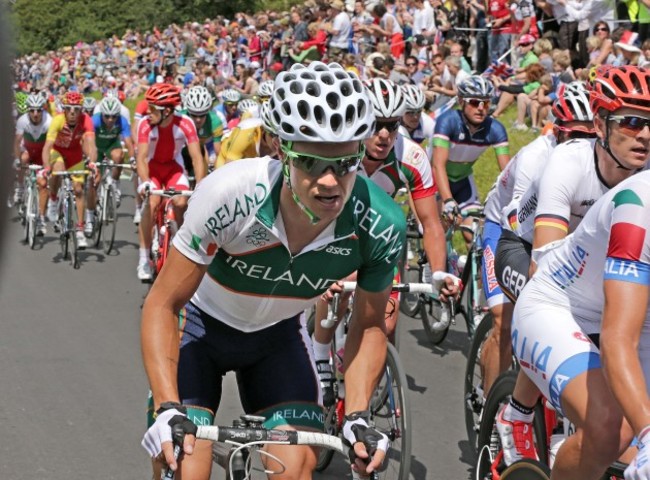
72,98
163,95
617,87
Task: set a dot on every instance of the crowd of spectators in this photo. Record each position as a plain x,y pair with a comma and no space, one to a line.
526,47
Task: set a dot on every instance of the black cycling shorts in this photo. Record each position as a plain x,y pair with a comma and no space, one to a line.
511,263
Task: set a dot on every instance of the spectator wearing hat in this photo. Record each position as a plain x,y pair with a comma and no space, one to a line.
628,48
340,31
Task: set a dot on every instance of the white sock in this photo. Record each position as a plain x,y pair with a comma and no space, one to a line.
513,415
144,255
90,216
321,350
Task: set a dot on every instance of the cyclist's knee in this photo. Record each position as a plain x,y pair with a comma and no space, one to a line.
198,465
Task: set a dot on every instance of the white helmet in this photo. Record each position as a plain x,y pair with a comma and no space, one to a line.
572,103
321,103
414,97
198,100
267,119
231,95
110,106
35,101
89,103
387,98
248,105
266,88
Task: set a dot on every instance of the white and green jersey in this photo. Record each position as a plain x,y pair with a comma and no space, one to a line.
233,224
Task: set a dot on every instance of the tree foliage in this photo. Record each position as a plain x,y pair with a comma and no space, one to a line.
42,25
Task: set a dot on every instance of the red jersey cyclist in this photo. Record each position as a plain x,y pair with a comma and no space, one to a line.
162,134
71,136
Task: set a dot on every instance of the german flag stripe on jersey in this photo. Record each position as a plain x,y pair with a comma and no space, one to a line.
555,221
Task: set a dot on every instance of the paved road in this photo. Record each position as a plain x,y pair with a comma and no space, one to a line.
74,390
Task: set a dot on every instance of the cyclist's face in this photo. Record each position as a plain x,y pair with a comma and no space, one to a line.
199,120
72,114
383,140
631,146
411,119
109,120
155,114
475,110
35,115
326,194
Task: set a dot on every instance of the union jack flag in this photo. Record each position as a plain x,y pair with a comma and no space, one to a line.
500,69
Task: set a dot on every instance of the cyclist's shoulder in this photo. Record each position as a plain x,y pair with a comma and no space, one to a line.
57,123
449,122
576,153
495,129
410,152
370,200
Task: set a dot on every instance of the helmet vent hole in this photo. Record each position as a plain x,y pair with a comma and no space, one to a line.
308,131
280,93
288,128
295,88
333,100
313,89
327,79
336,122
307,76
303,110
346,89
319,115
286,108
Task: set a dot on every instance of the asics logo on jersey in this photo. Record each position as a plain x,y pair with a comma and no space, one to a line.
338,250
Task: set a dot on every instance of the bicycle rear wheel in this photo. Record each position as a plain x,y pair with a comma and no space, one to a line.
473,393
331,427
488,437
98,229
25,218
393,417
64,232
72,229
109,220
526,469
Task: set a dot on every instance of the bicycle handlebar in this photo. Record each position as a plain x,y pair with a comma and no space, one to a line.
72,173
170,193
397,287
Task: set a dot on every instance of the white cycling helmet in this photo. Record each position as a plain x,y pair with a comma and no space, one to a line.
321,103
110,106
35,101
414,97
572,103
198,100
89,103
388,99
266,88
250,106
231,95
475,86
267,119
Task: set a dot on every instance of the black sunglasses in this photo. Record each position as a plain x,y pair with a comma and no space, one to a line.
390,126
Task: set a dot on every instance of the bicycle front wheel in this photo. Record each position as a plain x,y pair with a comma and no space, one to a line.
98,229
411,272
109,220
25,219
32,216
526,469
430,312
72,232
474,394
331,427
64,232
393,417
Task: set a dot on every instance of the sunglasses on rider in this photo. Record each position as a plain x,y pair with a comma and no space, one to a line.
198,117
630,125
109,117
315,165
415,113
390,126
35,110
72,108
476,102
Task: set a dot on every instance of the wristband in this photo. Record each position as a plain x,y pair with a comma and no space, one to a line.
170,406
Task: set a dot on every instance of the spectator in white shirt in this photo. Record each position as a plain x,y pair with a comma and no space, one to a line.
341,30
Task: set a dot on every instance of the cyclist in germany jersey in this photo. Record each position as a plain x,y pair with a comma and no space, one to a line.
198,106
244,140
417,125
31,130
619,102
461,136
110,129
262,240
161,136
503,250
71,136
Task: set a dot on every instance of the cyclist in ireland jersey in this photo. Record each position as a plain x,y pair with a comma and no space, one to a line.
244,139
417,125
198,105
392,162
161,136
227,109
262,240
71,136
110,128
503,250
460,137
578,173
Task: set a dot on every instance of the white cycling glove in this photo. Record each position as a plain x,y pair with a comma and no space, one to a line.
356,429
161,431
639,469
144,186
450,208
438,279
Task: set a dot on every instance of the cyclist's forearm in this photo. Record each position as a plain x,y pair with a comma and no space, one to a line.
130,150
442,180
46,153
434,245
142,167
196,154
89,148
17,142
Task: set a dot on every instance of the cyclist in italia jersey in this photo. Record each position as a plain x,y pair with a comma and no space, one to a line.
244,139
392,162
71,136
161,136
198,106
110,129
619,102
263,239
417,125
506,256
31,130
460,137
